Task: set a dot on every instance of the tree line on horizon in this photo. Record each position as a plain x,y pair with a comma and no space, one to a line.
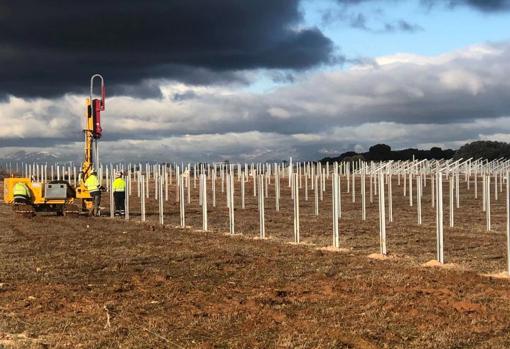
489,150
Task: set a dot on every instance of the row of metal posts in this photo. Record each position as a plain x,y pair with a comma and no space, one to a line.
418,171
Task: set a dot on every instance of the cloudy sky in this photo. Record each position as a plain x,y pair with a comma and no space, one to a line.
204,80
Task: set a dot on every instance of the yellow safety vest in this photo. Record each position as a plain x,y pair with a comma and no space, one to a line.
119,185
92,183
21,189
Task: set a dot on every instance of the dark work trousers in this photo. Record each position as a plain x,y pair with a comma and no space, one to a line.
96,196
22,199
120,200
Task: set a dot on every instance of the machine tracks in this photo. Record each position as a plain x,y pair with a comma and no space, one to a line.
23,210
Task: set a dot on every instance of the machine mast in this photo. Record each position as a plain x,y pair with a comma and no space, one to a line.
93,130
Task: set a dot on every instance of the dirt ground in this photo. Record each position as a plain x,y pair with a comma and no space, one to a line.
62,278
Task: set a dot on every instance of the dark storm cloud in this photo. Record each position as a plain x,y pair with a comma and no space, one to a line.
52,47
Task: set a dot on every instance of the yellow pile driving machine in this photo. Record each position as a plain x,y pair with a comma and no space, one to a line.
60,196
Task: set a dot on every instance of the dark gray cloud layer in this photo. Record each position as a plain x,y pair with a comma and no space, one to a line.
50,47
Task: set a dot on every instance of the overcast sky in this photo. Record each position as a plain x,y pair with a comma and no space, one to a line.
254,80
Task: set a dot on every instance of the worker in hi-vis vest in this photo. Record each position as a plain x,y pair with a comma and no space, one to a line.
94,188
119,194
21,193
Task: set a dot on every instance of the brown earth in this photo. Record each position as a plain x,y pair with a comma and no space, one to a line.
62,277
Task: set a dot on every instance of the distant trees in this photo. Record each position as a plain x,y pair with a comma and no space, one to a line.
383,152
379,152
436,152
489,150
354,157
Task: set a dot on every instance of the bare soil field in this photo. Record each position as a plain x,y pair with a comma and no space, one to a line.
107,283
